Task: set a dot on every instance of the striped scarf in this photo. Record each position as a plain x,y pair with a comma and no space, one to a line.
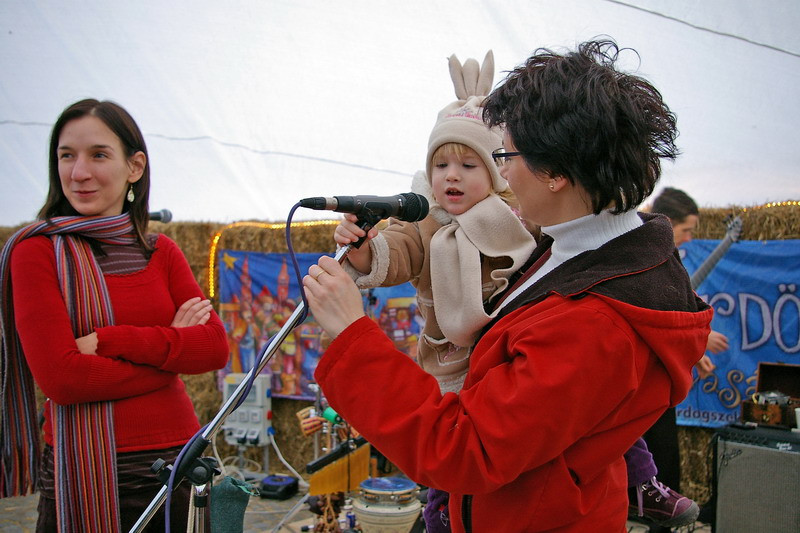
85,454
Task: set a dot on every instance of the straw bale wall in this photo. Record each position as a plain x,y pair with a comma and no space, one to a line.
195,238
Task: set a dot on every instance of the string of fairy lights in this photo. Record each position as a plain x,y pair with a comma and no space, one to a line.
212,252
786,203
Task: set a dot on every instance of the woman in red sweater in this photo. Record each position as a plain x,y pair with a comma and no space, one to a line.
104,317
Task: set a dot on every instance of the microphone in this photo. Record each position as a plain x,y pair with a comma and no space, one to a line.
165,215
407,206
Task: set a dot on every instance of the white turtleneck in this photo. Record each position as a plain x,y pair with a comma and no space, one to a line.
577,236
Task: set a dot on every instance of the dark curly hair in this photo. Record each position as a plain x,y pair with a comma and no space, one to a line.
574,115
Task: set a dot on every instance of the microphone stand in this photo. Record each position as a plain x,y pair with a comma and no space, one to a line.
200,471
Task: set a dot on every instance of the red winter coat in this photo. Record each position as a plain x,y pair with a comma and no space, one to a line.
561,385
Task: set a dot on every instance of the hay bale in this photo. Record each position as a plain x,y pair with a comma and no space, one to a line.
696,462
778,222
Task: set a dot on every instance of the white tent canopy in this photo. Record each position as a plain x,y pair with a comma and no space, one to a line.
248,106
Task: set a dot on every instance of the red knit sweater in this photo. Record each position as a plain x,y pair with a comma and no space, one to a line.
138,359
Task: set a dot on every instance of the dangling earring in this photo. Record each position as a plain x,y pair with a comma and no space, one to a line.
131,197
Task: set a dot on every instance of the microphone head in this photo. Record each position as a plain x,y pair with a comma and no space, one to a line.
416,207
165,215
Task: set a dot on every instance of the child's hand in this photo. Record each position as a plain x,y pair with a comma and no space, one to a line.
348,231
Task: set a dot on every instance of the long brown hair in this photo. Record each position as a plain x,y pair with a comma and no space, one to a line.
125,128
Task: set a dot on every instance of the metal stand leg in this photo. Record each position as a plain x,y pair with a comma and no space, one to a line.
200,497
200,472
293,511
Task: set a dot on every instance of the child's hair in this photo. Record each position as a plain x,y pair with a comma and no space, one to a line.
447,149
575,115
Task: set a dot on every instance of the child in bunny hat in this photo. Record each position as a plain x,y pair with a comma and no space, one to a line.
463,252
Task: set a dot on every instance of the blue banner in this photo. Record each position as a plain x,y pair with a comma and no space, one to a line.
753,290
258,293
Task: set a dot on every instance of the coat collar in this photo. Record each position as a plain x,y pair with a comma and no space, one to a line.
636,251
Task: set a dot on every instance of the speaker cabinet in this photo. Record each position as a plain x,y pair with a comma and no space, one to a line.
757,480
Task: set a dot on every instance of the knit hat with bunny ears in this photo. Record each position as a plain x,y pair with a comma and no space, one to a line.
462,122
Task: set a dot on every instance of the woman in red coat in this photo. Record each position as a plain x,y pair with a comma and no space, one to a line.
592,343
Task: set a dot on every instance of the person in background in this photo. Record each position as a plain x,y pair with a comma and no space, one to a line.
462,253
586,350
103,317
684,215
662,437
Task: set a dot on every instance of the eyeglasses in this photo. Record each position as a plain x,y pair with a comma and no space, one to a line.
501,157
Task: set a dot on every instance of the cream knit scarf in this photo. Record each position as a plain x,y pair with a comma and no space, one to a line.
489,228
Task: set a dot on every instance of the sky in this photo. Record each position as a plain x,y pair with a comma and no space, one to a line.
248,106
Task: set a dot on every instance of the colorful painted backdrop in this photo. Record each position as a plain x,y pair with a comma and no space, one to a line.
259,292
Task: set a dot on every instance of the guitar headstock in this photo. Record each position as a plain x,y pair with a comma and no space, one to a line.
734,227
